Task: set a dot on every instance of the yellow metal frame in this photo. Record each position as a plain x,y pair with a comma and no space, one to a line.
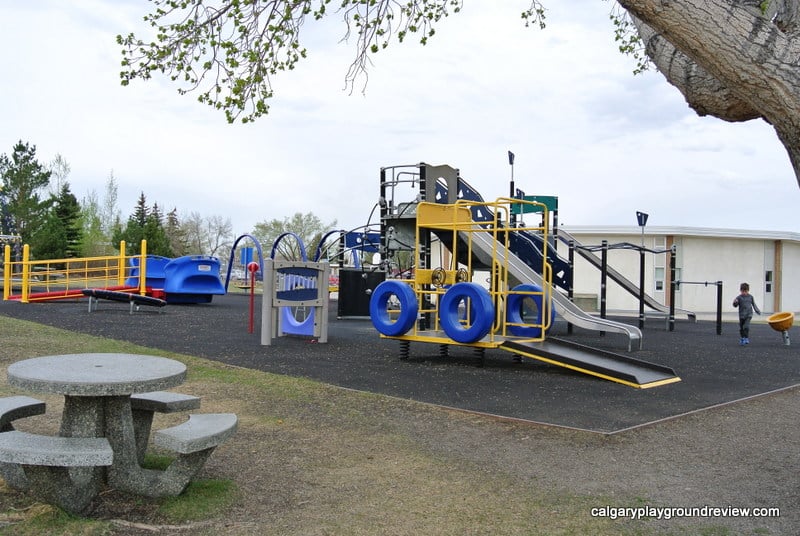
430,284
64,278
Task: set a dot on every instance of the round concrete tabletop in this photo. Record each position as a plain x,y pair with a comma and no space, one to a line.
96,374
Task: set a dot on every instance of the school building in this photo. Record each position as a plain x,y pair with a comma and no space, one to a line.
769,261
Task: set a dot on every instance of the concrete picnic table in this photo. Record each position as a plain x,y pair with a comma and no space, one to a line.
98,389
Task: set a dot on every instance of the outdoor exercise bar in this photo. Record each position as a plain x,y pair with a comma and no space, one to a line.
676,284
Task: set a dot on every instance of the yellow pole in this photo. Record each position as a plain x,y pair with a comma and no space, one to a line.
121,264
26,272
7,269
143,269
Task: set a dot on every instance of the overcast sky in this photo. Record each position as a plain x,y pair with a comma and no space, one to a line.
583,128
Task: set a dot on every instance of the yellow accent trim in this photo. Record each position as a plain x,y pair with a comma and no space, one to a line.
661,382
593,373
443,339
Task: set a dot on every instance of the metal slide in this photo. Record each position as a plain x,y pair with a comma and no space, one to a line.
607,365
621,280
603,364
483,246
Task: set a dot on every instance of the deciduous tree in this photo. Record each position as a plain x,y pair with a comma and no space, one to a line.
308,227
207,235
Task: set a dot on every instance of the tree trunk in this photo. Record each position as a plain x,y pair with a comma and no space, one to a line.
730,61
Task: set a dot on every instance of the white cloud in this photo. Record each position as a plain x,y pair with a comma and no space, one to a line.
582,126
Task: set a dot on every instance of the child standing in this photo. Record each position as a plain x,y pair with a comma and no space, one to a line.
746,304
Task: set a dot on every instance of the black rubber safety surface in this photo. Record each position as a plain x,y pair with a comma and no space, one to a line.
713,368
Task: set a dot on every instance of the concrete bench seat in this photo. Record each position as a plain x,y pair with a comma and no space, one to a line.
13,408
18,407
201,432
164,402
32,449
145,405
65,471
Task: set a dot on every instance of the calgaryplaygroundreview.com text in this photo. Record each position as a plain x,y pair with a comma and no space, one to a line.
670,512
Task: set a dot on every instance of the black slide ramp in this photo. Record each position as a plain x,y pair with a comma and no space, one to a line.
601,363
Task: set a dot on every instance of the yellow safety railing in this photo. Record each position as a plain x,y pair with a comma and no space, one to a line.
29,280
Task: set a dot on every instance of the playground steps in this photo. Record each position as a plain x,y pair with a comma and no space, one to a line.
603,364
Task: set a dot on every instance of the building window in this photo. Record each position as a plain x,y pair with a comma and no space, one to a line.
768,281
659,279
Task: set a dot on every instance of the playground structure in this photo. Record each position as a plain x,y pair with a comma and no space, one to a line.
514,310
289,285
452,306
295,294
189,279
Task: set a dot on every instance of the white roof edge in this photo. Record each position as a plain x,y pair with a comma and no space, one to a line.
681,231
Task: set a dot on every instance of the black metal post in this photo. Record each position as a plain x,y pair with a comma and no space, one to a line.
554,231
603,279
719,307
571,279
512,193
385,211
672,258
343,246
641,288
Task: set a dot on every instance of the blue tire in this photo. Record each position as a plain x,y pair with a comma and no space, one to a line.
481,312
408,308
514,311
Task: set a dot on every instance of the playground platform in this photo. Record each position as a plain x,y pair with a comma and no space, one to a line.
713,369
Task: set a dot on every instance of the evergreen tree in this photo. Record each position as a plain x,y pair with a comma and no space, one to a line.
144,224
141,212
176,234
68,212
23,180
50,239
156,236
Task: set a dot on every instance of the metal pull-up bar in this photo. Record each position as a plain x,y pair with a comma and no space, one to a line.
676,284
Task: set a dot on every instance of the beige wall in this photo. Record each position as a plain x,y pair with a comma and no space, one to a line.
729,259
790,289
